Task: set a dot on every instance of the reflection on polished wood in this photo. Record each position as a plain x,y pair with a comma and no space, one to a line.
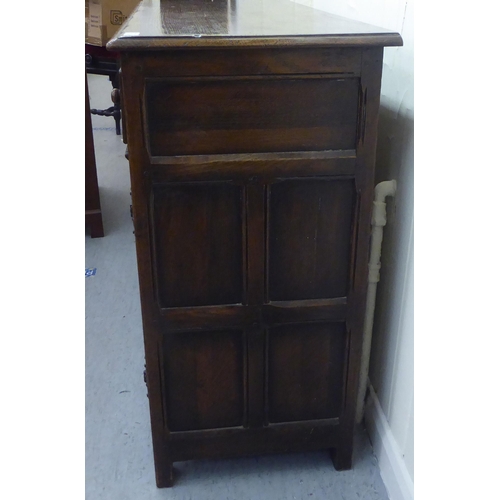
252,23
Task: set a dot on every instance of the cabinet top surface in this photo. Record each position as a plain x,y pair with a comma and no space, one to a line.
157,24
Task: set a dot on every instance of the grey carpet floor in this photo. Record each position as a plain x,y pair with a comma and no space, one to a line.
119,459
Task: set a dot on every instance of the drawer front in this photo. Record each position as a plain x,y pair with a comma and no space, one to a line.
257,62
203,116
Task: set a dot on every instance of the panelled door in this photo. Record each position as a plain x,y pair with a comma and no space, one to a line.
252,280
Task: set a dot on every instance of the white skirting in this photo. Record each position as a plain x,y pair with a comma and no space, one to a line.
393,469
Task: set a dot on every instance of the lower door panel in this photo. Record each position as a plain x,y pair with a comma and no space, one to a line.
203,379
306,365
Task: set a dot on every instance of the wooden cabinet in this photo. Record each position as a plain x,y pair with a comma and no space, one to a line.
251,129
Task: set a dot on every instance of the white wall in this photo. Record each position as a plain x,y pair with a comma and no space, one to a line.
390,412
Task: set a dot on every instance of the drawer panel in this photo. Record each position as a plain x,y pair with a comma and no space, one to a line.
203,116
224,63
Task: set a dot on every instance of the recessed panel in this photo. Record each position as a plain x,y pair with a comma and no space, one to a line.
305,371
213,116
310,224
198,244
203,380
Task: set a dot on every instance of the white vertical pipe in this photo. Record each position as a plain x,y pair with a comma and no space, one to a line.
379,220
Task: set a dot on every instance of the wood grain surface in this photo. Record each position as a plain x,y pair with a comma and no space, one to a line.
241,23
251,128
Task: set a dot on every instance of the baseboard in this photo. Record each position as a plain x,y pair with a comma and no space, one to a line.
393,470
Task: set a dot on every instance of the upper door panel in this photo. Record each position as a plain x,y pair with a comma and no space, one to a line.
309,238
198,243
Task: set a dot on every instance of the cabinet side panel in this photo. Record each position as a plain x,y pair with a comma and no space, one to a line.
310,224
198,244
306,371
203,380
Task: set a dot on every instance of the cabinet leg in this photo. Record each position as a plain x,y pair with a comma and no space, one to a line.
341,458
94,221
165,476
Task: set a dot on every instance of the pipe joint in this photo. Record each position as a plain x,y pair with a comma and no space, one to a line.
379,214
385,189
374,273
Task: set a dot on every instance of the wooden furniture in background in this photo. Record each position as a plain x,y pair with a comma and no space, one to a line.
251,138
93,214
99,61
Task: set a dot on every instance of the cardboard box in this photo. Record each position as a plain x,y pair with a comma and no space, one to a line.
103,18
